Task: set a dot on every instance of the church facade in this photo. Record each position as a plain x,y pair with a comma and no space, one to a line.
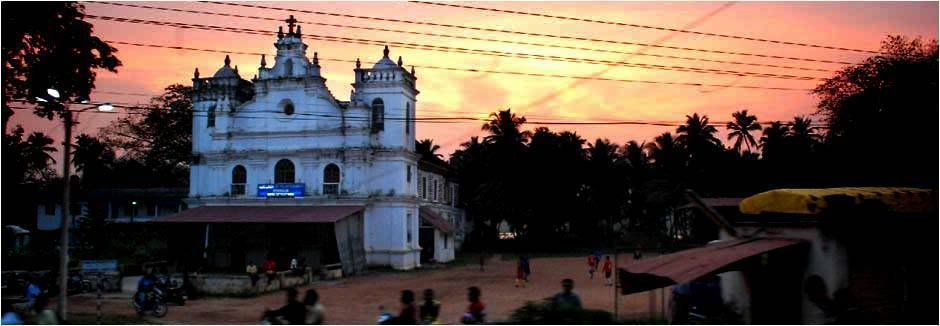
281,150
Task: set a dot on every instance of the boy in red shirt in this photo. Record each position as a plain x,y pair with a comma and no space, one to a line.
592,263
608,271
476,312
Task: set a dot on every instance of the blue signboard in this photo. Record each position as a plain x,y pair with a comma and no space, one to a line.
99,266
274,190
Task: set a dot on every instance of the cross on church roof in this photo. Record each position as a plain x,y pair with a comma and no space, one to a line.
290,24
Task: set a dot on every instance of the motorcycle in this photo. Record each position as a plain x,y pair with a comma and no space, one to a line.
172,291
152,303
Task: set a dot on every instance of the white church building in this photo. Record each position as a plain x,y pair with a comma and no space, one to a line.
283,169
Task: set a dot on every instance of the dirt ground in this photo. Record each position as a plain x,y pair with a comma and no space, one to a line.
355,300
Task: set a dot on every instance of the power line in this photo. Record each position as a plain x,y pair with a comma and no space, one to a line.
320,117
531,74
606,22
485,29
203,12
447,49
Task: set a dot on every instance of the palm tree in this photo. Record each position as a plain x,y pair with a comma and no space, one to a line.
741,129
697,136
664,151
635,154
428,150
93,159
803,135
773,142
505,127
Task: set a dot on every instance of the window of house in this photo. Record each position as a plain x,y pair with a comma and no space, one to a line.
434,191
210,117
331,178
408,177
378,115
447,193
445,241
50,208
284,171
239,179
424,187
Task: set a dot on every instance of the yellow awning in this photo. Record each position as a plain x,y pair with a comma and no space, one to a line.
812,201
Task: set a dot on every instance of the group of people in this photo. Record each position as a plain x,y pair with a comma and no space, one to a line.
607,267
295,312
429,311
269,268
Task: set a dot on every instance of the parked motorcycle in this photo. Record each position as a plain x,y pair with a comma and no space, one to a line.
152,303
173,291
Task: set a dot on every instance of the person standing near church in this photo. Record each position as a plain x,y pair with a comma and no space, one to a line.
608,271
252,271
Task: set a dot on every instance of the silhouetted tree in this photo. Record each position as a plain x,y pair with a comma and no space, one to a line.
428,150
27,160
698,137
94,160
49,45
741,127
160,139
887,101
773,142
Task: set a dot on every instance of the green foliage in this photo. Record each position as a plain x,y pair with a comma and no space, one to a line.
542,313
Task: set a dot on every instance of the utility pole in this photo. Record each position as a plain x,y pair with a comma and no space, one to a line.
52,98
66,216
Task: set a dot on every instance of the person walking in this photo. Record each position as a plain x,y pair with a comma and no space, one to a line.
430,310
316,314
520,274
252,271
526,268
592,263
476,311
608,270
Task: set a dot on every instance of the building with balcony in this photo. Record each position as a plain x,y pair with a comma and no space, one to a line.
283,169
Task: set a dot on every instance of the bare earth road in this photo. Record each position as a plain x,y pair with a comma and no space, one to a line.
356,300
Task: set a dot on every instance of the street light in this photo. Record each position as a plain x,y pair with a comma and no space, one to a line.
52,98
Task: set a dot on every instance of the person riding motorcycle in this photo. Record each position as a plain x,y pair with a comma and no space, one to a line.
145,289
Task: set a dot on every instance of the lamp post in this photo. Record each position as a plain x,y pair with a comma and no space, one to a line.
52,98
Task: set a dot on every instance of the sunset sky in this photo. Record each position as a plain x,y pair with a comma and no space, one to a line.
859,25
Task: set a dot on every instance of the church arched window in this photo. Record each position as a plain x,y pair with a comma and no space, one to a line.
239,179
378,115
210,117
331,178
284,171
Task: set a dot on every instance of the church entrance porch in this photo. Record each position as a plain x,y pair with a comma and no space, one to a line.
436,237
226,238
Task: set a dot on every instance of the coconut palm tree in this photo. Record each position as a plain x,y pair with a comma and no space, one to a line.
428,150
698,137
506,128
773,142
665,152
741,129
635,155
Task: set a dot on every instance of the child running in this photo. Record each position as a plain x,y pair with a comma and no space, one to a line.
592,263
608,271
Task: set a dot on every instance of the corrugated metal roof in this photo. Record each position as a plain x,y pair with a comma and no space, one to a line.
436,220
813,201
261,214
688,265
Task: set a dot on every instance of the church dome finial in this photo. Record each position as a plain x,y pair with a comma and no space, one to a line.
298,31
280,32
412,70
264,63
385,52
316,59
399,61
358,64
196,73
228,60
